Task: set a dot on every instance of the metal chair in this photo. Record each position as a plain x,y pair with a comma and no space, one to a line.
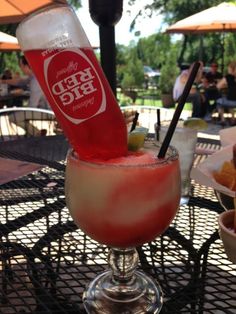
25,122
19,128
148,115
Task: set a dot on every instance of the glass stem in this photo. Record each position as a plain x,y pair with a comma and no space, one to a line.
122,289
122,283
123,263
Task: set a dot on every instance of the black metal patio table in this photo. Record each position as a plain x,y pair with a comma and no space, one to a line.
46,261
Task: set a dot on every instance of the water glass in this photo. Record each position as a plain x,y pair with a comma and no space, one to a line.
184,139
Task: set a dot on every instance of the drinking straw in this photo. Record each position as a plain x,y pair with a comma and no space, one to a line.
158,125
178,110
158,117
135,120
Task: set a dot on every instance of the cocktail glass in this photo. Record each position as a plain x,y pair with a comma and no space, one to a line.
123,203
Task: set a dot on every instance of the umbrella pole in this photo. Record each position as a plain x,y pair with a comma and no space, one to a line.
106,14
223,51
108,54
200,55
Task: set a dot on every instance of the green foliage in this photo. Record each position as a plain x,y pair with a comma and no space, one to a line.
133,76
131,71
151,50
75,3
230,48
121,54
9,60
175,10
169,72
158,50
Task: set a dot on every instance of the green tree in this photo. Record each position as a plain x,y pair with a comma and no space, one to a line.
130,73
169,72
230,48
152,50
121,60
10,59
133,76
175,10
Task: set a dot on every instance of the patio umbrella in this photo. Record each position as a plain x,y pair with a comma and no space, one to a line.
13,11
220,18
8,42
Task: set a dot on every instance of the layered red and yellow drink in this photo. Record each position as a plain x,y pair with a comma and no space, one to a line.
125,201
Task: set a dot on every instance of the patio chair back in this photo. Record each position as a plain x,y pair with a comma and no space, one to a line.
25,122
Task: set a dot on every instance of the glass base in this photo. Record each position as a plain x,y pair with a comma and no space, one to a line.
105,295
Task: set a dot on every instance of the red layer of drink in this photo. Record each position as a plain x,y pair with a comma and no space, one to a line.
82,100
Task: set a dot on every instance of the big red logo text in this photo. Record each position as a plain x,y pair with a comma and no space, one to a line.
74,85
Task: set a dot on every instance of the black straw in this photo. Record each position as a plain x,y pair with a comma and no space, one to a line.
158,117
158,125
135,120
178,110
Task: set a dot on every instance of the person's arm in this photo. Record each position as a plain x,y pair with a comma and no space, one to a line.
222,83
16,82
185,74
199,75
184,77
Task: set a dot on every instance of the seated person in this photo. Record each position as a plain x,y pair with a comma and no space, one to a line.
213,76
36,99
6,74
194,96
210,90
229,100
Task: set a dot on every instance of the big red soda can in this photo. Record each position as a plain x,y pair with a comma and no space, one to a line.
71,77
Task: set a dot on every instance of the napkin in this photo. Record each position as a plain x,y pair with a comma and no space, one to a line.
11,169
203,172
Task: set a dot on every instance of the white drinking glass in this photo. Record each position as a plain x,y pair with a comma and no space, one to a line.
185,140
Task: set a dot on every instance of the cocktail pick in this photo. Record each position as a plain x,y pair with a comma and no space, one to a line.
135,120
178,110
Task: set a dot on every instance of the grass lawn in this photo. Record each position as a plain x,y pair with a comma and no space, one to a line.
151,99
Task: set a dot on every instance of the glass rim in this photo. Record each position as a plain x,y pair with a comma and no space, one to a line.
172,153
41,10
180,128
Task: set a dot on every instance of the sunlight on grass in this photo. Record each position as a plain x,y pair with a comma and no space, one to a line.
145,98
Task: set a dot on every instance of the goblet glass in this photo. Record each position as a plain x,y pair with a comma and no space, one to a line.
123,203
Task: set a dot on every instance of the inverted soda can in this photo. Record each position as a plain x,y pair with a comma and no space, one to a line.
62,59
